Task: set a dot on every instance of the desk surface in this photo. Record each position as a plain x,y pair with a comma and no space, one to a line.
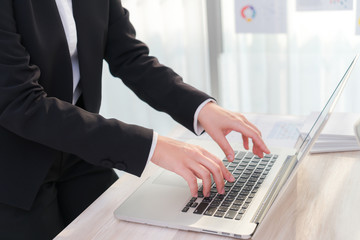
321,202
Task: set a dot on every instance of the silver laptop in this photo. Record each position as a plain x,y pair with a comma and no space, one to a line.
164,199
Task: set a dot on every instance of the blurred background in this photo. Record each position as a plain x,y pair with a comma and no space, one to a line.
291,72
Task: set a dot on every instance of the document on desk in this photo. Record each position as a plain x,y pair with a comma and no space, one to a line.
337,136
277,130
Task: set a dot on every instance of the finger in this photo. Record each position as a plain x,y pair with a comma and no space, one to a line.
257,151
256,138
204,174
221,140
245,142
218,171
255,134
224,171
191,180
250,124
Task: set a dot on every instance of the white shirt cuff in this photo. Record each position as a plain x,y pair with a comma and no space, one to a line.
198,129
153,145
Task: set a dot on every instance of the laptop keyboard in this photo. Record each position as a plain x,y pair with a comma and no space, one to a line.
250,172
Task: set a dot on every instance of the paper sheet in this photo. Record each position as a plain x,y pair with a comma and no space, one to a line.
357,24
277,130
338,134
318,5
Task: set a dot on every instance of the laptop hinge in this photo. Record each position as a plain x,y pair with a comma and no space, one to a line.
272,193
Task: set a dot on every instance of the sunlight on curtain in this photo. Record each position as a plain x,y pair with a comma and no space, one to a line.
175,32
291,73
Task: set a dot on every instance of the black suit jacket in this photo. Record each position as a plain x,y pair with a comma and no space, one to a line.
37,121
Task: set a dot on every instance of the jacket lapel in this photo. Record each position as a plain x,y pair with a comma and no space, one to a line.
42,34
91,17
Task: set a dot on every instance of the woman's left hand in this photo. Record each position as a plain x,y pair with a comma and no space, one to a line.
218,122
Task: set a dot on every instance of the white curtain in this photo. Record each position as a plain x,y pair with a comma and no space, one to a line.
175,31
292,73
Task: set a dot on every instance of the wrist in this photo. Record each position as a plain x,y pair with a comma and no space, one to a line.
159,149
204,114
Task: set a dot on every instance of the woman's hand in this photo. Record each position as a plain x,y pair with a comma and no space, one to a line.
191,162
219,122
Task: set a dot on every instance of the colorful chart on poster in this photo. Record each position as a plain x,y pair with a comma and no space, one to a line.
248,13
260,16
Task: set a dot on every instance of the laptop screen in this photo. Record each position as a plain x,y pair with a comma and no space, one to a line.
324,115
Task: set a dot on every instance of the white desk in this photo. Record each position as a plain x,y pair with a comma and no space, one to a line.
319,205
322,202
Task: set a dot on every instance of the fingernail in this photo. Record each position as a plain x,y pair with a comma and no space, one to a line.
230,157
232,179
222,191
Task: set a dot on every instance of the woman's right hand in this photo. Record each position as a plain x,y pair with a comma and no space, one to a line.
191,162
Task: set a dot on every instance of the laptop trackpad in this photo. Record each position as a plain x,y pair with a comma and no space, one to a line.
170,179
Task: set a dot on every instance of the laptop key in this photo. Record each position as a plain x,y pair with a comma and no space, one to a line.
235,207
210,211
237,171
230,214
220,197
240,214
232,164
185,209
238,202
245,176
207,200
245,206
241,198
236,176
229,184
231,169
222,209
219,214
232,194
201,208
240,155
226,203
215,203
250,184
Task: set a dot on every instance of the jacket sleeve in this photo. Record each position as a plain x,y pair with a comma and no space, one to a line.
27,111
159,86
